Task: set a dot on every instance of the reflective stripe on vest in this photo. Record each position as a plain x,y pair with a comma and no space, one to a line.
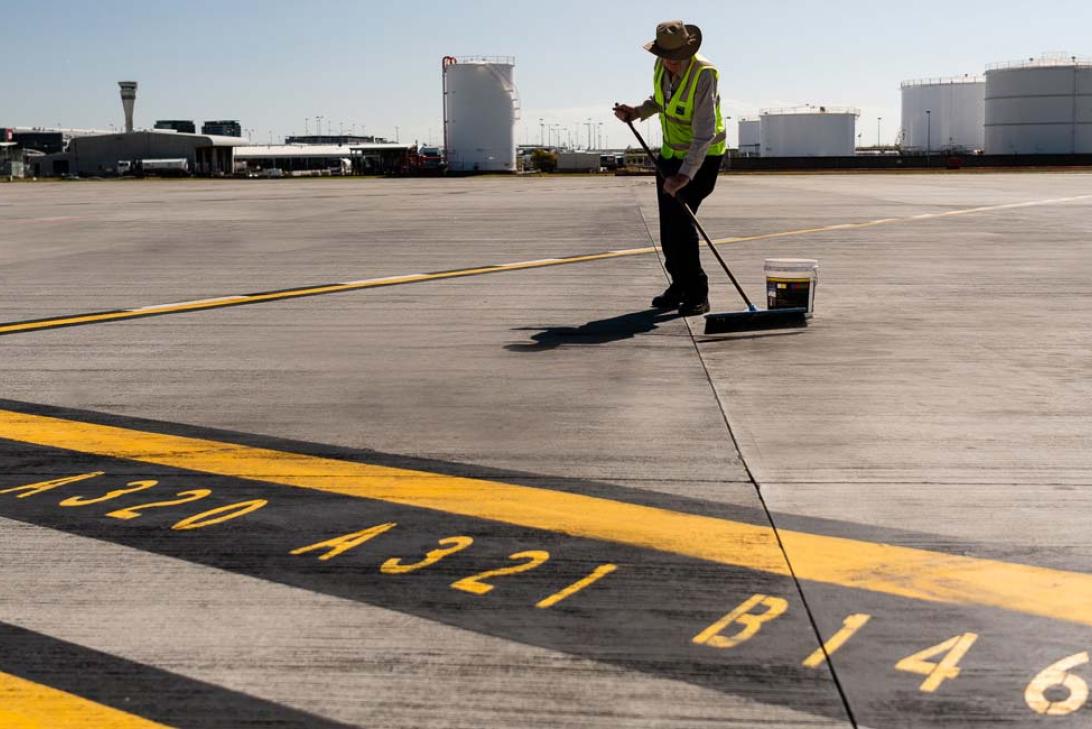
677,114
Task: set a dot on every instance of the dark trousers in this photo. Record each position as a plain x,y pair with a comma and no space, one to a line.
678,236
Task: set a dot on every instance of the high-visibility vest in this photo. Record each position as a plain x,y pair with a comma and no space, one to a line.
677,113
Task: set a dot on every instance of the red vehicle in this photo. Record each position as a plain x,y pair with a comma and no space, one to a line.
422,161
431,159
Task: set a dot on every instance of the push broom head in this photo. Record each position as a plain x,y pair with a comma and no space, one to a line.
757,320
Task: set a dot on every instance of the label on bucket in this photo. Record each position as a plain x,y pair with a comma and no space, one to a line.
788,293
791,283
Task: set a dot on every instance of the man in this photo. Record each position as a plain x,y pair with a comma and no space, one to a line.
686,98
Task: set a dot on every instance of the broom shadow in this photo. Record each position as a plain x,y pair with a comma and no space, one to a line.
600,331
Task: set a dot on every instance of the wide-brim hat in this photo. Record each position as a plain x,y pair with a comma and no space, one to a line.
675,40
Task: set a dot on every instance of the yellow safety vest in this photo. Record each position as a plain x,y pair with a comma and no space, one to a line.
678,113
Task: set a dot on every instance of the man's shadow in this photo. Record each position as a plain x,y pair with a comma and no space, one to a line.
601,331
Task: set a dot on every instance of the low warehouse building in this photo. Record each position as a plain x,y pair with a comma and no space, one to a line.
295,159
99,155
11,160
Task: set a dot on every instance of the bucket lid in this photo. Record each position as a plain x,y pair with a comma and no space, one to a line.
792,264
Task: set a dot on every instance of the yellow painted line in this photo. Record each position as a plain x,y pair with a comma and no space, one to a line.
196,302
906,572
241,299
28,705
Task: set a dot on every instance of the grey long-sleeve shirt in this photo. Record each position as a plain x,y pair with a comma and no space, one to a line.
704,122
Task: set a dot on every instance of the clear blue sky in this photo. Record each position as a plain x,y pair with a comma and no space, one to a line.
376,65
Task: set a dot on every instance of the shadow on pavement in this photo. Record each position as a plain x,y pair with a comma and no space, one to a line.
601,331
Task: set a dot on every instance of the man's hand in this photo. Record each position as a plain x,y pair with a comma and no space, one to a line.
625,113
675,183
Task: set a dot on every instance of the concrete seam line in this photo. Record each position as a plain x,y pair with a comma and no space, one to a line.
758,492
777,535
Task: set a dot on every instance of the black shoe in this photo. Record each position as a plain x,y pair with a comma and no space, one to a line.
693,307
669,299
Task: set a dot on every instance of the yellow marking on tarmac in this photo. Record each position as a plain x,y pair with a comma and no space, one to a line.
947,668
590,579
902,571
775,607
849,628
220,302
1057,676
28,705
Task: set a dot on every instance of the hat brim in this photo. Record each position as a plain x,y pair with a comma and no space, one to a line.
678,54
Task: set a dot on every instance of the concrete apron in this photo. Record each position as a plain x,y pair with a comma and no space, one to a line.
554,379
561,375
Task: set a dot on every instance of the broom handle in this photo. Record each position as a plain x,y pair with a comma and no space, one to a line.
693,218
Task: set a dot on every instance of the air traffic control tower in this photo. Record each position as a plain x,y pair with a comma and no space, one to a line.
128,100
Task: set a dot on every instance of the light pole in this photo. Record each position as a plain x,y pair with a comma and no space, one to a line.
879,121
396,134
541,132
306,126
929,132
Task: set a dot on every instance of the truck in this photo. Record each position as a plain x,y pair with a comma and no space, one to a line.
430,159
578,162
179,167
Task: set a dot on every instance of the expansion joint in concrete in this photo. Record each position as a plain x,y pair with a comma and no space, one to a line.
758,492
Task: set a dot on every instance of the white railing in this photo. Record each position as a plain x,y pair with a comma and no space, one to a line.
809,109
1044,61
510,60
967,78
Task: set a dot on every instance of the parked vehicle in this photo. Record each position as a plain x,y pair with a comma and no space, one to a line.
165,167
431,159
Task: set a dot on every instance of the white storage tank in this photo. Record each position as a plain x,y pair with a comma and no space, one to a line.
944,114
481,105
1039,106
809,131
750,138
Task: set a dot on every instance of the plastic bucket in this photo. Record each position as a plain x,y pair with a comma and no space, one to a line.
791,283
